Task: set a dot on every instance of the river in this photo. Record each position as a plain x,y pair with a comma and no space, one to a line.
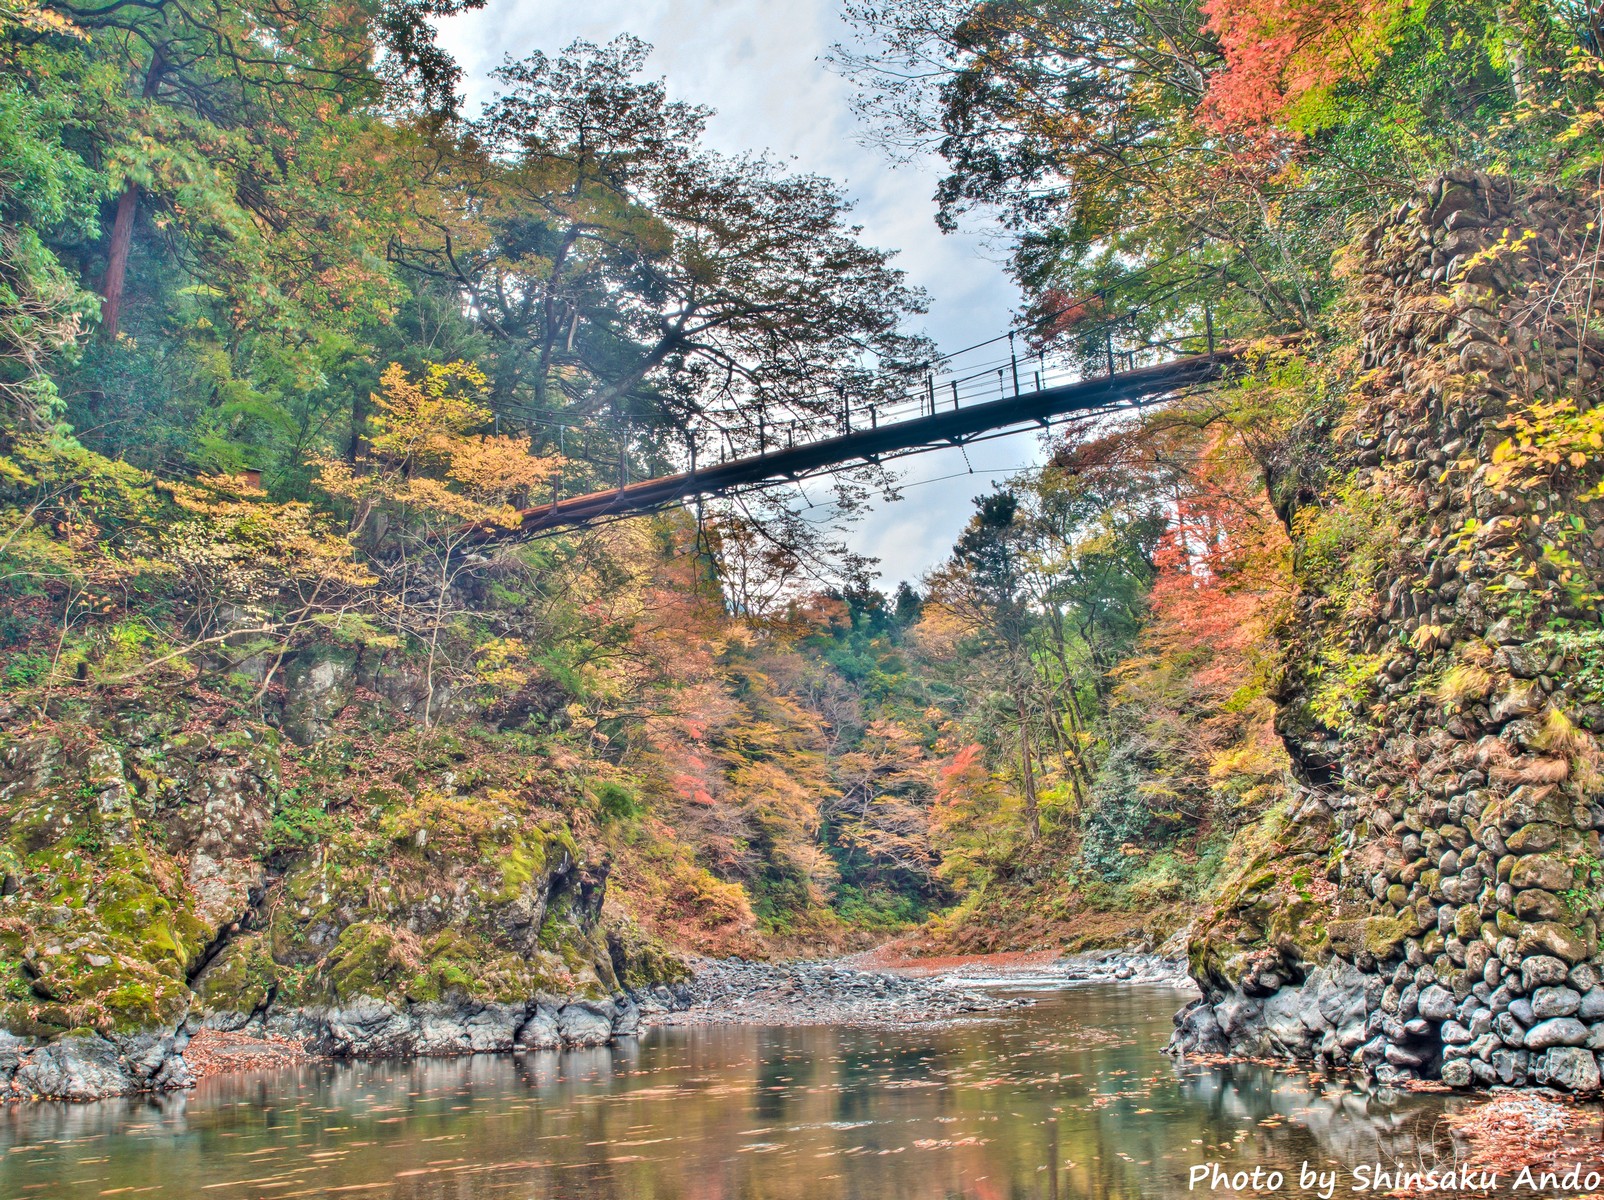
1071,1098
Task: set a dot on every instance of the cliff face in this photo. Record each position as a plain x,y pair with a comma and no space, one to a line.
171,866
1428,904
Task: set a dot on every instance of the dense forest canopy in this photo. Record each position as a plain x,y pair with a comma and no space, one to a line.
283,323
1171,156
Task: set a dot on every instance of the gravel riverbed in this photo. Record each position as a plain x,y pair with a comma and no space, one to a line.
736,992
841,992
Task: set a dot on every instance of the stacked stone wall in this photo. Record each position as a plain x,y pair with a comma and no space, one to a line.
1451,829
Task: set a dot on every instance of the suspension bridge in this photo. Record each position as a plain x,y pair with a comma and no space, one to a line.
968,404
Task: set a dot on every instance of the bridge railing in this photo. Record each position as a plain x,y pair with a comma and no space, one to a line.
1001,368
1017,371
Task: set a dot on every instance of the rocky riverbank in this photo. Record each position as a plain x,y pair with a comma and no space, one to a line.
736,992
1092,966
94,1066
883,988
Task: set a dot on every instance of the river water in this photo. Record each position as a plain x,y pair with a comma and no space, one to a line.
1071,1098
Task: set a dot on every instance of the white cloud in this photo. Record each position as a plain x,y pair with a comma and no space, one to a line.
761,65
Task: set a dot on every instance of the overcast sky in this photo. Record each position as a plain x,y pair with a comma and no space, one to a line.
760,64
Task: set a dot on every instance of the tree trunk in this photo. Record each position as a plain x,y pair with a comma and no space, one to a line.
111,287
122,233
1032,811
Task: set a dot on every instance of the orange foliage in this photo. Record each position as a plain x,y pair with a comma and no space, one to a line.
428,458
1280,53
1200,669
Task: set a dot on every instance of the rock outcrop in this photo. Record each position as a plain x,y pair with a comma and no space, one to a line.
164,870
1427,905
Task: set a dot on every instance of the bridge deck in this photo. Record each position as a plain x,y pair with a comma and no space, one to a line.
952,427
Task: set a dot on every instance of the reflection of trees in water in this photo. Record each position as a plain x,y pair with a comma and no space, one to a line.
1045,1106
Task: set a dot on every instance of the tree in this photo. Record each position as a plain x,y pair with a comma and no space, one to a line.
1148,160
1074,122
215,100
43,311
645,295
431,484
887,786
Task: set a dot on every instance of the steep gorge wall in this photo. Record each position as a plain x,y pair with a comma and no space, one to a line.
1427,905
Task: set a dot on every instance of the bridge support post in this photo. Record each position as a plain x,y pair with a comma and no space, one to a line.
1013,361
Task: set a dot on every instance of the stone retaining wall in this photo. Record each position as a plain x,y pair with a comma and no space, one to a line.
1447,837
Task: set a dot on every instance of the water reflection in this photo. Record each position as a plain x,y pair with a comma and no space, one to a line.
1069,1099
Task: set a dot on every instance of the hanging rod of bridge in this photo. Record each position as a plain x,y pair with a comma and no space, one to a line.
952,427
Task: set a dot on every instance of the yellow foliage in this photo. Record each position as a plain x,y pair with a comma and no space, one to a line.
1545,440
427,458
29,15
1464,683
499,662
235,542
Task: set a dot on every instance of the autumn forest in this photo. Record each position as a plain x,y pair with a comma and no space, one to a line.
290,333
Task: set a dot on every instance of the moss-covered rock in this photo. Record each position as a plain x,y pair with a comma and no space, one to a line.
141,855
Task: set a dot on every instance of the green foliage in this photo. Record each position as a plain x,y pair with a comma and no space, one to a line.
616,801
1346,547
877,909
1584,648
298,824
1121,824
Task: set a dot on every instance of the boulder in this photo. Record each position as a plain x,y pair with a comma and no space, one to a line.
144,1054
627,1021
1540,970
1533,905
1573,1069
1436,1003
1555,1002
586,1022
1533,838
1197,1030
1543,871
12,1049
1555,940
75,1068
1291,1016
440,1029
540,1031
1592,1008
318,683
494,1027
368,1028
1509,1065
1559,1031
